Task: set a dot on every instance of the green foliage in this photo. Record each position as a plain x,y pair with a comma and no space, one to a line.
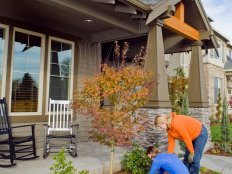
62,166
136,161
178,86
225,130
205,170
185,105
216,133
83,172
180,72
219,106
212,119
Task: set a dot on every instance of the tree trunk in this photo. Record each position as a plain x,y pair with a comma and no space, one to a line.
111,159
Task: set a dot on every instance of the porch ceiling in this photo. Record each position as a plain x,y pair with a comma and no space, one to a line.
68,15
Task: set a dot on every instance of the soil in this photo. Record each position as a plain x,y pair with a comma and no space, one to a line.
218,152
122,172
207,172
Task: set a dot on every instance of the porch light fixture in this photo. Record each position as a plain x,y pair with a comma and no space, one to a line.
88,21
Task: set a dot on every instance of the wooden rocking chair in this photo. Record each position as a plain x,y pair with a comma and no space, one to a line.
60,128
11,146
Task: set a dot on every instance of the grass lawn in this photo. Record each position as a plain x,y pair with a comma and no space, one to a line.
216,132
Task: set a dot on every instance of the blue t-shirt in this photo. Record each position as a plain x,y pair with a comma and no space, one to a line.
168,162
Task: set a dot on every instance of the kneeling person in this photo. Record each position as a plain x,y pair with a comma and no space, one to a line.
165,162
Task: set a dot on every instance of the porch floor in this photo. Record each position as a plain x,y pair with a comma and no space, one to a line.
96,159
91,156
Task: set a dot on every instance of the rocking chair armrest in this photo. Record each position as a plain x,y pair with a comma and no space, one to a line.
32,125
45,125
75,125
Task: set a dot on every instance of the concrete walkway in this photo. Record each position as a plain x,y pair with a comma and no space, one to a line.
96,159
91,156
217,163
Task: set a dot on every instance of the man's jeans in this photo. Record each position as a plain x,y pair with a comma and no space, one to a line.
198,145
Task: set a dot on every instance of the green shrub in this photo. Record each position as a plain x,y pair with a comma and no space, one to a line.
178,86
225,129
83,172
219,106
213,119
216,133
136,161
62,166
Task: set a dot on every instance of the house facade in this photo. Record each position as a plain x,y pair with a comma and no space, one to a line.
49,46
216,69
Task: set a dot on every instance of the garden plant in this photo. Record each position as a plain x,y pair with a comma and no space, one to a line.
136,160
127,89
64,166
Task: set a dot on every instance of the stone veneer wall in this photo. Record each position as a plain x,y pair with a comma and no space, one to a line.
203,115
212,71
153,136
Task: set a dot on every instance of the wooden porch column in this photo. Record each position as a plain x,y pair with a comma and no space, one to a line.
196,87
155,63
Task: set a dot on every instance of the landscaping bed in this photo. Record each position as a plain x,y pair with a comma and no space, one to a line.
203,171
216,138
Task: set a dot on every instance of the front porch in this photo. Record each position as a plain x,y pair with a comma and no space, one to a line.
91,156
96,159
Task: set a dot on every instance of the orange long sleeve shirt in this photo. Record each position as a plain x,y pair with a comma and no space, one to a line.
183,128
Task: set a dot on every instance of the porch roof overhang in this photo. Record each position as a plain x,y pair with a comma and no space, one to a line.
112,21
68,16
175,42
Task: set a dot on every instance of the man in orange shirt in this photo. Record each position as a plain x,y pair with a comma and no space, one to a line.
189,130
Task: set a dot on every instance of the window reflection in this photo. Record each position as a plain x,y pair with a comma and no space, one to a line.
60,70
26,72
2,51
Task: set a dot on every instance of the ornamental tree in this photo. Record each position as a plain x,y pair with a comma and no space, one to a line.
178,87
225,127
127,89
219,106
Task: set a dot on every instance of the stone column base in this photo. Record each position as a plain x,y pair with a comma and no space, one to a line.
151,136
203,115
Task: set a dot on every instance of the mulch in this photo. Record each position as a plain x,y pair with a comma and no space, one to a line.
208,172
218,152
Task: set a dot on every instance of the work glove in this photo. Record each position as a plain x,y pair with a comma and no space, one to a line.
190,157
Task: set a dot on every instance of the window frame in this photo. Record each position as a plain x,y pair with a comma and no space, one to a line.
219,79
4,61
42,57
72,43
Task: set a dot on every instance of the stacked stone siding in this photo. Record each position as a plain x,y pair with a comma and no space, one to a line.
212,71
152,136
203,115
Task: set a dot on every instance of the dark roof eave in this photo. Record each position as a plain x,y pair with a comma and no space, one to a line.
139,5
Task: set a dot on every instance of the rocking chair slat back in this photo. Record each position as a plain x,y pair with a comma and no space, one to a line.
26,148
4,120
60,116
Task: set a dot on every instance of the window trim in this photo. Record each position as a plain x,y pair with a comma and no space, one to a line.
49,69
4,61
42,56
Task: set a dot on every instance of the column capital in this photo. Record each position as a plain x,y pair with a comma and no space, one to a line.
157,22
197,43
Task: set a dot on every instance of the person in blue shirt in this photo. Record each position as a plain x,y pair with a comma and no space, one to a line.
164,162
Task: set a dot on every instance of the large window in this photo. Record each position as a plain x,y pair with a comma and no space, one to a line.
220,55
217,88
3,54
61,63
27,69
